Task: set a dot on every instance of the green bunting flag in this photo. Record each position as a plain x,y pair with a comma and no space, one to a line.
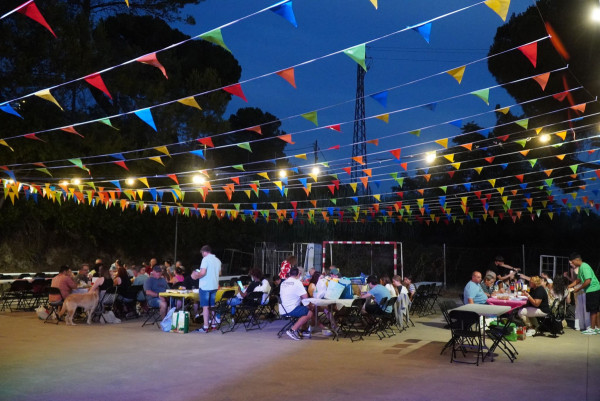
357,53
215,37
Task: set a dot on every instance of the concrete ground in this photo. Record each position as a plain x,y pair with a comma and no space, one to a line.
127,362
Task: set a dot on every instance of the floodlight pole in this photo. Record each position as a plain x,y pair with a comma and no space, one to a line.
176,229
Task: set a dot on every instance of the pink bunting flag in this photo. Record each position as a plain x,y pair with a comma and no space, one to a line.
30,10
530,51
96,81
236,90
72,131
151,59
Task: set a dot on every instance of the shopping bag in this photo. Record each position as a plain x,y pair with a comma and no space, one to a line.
347,293
180,322
166,323
334,290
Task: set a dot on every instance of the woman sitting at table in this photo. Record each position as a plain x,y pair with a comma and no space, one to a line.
537,305
487,285
178,277
312,284
255,275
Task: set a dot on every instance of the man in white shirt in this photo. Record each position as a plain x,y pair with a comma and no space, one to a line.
291,294
208,276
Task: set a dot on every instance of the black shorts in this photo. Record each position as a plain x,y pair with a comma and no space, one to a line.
592,301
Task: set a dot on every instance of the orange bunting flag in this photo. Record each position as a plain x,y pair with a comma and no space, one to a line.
374,142
580,108
72,131
365,181
335,127
467,146
396,153
404,166
286,138
256,129
30,10
542,80
288,75
96,81
151,59
236,90
359,160
206,142
368,172
173,177
236,180
530,51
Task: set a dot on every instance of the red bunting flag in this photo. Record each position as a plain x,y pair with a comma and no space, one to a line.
335,147
206,142
451,173
173,177
520,177
503,138
294,204
396,153
236,90
30,10
331,188
489,159
530,51
236,180
404,166
151,59
335,127
96,81
32,136
347,170
121,163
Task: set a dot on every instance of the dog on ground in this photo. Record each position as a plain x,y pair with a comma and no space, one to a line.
87,302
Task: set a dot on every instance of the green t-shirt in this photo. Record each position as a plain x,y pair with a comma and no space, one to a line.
586,272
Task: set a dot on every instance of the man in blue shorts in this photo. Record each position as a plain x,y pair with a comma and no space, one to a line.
208,274
292,293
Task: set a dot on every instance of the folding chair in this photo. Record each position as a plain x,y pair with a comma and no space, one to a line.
349,319
248,312
290,320
498,335
152,315
387,319
127,299
432,297
445,307
54,305
373,315
222,311
419,301
466,334
105,304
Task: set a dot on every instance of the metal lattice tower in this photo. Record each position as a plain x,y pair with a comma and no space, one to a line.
359,144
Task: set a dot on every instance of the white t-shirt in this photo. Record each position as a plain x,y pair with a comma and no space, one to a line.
210,281
290,292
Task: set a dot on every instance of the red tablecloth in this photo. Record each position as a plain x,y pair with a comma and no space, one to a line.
513,303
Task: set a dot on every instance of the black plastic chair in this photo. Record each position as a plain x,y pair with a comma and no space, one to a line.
290,320
54,305
498,333
350,320
466,335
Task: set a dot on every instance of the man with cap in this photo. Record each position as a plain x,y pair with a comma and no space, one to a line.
154,285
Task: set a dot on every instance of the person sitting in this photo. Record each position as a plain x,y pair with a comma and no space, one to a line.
412,289
473,293
154,285
312,283
83,274
276,286
178,276
64,282
286,265
255,276
376,292
399,288
264,286
311,271
387,283
292,293
537,305
487,285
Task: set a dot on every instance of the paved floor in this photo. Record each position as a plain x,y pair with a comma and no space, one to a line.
127,362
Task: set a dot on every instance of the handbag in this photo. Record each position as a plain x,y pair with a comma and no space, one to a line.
334,290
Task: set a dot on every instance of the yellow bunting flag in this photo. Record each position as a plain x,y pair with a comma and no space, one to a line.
457,73
163,150
46,95
500,7
353,186
562,135
456,165
190,101
478,169
383,117
157,159
504,110
374,2
443,142
3,143
450,157
144,181
301,156
264,175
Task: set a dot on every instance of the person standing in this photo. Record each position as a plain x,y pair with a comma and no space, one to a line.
587,280
208,276
286,265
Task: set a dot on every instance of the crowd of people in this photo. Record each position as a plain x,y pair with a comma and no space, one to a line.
579,285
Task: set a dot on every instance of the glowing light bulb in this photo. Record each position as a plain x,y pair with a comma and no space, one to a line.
76,181
545,138
316,170
130,181
282,174
198,179
430,157
595,14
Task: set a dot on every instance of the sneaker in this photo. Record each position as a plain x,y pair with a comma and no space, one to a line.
202,330
590,331
326,332
293,335
530,332
306,334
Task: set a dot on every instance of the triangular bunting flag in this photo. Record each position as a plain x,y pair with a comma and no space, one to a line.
312,117
236,90
288,75
424,30
286,11
46,95
190,101
357,53
457,73
96,81
530,51
151,59
215,37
